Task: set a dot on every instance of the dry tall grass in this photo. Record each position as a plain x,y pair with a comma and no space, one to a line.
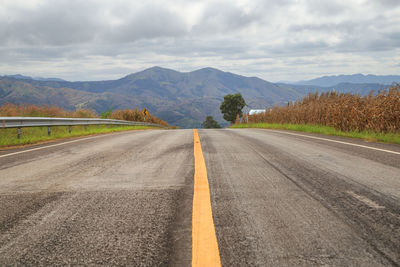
345,112
27,110
12,110
135,115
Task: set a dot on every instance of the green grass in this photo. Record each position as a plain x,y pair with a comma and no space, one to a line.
368,136
32,135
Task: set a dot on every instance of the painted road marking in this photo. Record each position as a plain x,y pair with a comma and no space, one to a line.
204,241
340,142
60,144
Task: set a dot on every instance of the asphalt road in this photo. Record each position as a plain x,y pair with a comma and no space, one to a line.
109,200
278,199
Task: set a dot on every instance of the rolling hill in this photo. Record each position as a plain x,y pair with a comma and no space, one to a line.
352,88
330,81
180,98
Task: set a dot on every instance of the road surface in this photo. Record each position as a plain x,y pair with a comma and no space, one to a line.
278,199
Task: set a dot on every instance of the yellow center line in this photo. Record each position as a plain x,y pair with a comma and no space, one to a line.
204,241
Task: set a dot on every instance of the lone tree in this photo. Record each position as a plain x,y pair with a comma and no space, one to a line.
232,106
210,123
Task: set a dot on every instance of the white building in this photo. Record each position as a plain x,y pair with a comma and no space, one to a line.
256,111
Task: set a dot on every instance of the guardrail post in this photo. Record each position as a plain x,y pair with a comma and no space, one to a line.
19,132
48,130
70,129
86,127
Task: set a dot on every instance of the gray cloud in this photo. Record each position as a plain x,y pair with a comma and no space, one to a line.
53,23
345,27
97,39
224,17
147,22
326,8
388,3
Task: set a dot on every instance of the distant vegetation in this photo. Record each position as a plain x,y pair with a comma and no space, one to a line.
372,115
210,123
327,81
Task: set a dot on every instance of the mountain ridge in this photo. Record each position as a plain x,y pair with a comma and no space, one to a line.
332,80
23,77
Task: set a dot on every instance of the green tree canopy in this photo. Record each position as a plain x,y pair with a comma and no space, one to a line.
106,114
232,106
210,123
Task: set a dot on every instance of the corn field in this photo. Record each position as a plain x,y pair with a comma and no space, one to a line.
346,112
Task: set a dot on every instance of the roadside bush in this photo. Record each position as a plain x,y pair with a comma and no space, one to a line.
136,115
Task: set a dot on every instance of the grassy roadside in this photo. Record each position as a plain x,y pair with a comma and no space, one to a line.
32,135
368,136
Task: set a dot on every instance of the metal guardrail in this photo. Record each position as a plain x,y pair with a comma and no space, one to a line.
19,122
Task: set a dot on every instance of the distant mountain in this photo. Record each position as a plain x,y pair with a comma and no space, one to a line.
48,79
329,81
353,88
21,92
22,77
19,77
182,99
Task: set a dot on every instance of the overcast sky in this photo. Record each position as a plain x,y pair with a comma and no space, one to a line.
272,39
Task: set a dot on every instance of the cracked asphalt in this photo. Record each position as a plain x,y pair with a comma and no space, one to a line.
126,199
